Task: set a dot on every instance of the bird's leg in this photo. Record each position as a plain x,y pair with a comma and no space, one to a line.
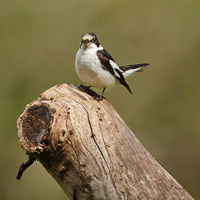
100,98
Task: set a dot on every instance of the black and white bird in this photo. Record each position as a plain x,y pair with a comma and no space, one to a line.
97,68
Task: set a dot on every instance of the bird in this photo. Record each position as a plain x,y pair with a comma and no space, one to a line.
97,68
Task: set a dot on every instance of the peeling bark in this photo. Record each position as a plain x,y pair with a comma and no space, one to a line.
89,150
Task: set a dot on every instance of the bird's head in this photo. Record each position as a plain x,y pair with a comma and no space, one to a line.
89,39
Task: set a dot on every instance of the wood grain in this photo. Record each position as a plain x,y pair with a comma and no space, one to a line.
89,150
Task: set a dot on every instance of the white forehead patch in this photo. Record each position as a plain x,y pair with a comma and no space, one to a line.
87,37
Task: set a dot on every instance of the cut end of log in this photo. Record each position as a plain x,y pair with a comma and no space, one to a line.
35,123
36,126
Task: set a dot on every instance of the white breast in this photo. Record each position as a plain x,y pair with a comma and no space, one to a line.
90,71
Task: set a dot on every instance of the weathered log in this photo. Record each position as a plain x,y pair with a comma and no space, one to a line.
89,150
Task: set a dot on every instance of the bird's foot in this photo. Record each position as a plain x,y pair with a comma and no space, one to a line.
87,90
92,93
98,98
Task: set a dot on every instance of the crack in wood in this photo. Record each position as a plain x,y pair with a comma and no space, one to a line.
75,154
94,137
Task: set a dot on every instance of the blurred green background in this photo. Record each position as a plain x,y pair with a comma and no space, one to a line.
38,44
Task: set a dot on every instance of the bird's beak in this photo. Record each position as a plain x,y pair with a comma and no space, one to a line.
84,40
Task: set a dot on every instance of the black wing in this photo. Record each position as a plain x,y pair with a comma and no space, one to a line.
106,54
105,58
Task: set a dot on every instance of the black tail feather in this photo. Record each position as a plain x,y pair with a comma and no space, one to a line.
134,66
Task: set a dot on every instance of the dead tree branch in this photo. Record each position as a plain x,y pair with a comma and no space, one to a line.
89,150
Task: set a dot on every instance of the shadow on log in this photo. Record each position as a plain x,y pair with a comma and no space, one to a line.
89,150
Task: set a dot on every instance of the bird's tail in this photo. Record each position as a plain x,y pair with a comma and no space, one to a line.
129,70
